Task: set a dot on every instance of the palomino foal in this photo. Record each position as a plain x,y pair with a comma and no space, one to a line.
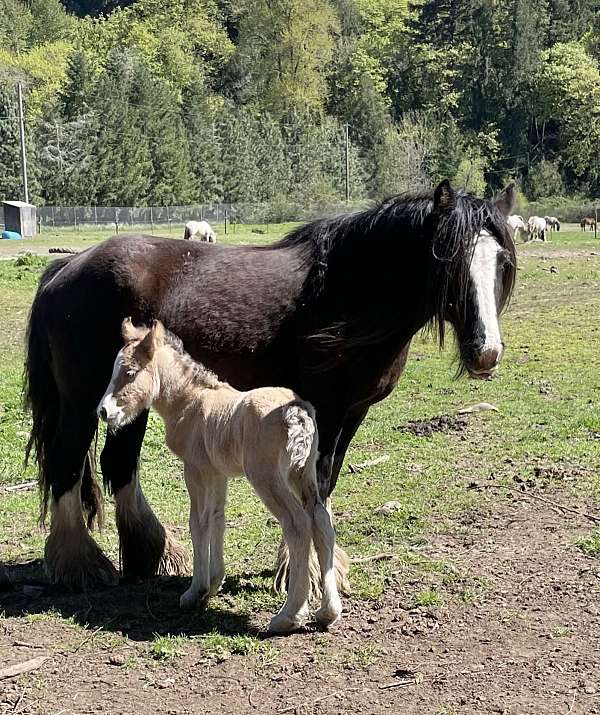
269,434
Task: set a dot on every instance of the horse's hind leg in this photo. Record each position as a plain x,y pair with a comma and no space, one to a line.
146,547
71,555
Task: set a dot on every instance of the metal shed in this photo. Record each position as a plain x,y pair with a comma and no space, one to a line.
20,217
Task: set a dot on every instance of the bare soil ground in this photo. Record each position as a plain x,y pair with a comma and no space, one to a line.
522,636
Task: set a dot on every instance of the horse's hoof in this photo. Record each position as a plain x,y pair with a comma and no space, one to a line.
175,560
79,564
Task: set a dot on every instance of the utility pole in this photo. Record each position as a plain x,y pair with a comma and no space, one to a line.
347,127
22,138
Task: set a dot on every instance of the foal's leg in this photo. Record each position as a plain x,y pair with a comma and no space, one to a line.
71,555
146,547
324,539
217,535
202,504
275,493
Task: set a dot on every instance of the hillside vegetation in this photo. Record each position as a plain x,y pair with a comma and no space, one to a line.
247,100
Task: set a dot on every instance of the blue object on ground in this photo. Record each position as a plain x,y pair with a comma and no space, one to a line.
12,235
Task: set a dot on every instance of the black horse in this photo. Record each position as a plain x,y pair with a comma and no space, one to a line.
328,311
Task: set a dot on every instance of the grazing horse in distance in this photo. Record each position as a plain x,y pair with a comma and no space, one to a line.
536,228
588,221
329,311
269,434
552,222
201,230
516,224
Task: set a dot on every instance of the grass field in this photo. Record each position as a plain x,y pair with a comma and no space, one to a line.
474,495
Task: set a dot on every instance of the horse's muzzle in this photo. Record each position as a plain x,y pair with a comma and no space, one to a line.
484,364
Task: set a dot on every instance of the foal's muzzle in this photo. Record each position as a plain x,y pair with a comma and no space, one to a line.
102,413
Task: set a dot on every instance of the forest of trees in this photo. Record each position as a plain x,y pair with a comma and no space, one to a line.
153,102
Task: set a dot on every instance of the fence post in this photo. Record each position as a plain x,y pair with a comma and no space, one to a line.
596,223
116,220
53,224
201,212
168,219
217,219
151,221
226,216
95,215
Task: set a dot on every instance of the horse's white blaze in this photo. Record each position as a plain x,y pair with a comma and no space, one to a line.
484,267
114,413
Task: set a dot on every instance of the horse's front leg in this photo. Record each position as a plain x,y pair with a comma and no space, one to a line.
146,547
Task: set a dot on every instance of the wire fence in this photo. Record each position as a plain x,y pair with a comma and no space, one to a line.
124,218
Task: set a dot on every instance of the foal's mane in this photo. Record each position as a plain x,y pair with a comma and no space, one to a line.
198,374
450,233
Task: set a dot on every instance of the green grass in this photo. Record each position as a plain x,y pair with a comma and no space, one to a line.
165,648
545,434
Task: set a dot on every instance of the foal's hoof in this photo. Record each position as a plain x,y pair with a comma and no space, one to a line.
282,624
327,616
192,599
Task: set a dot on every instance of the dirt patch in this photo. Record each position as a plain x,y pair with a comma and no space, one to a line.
516,631
434,425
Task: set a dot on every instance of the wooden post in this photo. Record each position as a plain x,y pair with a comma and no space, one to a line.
22,140
169,219
226,216
95,215
53,223
75,217
596,222
151,221
116,220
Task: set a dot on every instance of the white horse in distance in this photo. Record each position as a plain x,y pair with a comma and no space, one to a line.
536,228
201,230
516,224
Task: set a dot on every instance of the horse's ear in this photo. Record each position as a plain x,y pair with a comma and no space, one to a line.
506,200
443,196
128,330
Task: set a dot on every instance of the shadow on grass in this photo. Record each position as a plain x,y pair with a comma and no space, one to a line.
137,611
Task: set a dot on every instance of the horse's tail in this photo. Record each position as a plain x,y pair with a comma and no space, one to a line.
40,392
41,397
187,234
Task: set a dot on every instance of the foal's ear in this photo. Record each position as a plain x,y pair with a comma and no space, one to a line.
158,333
506,200
443,196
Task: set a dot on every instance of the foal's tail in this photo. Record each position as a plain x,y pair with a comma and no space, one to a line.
41,397
302,434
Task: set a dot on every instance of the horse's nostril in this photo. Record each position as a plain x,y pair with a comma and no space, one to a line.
103,413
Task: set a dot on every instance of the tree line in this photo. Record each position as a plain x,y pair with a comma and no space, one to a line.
248,100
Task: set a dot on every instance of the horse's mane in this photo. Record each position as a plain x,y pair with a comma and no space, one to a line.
450,233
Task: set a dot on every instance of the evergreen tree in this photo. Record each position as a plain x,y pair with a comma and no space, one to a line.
120,173
11,184
75,95
203,141
158,119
